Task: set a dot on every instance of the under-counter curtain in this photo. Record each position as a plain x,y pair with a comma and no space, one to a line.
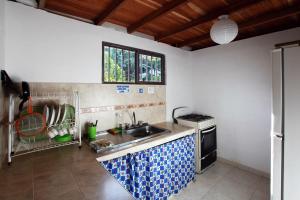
158,172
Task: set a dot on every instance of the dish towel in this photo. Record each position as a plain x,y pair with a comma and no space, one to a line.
158,172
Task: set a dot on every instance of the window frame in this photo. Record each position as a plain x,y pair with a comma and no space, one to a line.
136,67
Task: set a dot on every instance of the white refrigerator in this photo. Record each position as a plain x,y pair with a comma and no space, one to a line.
285,134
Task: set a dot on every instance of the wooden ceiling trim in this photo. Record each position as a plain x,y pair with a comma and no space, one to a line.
208,17
203,46
266,31
42,4
72,9
164,9
258,20
193,40
68,16
100,19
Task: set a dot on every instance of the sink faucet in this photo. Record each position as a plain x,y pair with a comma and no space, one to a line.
134,119
134,123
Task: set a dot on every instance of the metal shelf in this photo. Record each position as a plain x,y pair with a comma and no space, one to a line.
41,146
18,146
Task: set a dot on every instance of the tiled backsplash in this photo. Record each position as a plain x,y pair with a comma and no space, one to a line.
102,102
99,102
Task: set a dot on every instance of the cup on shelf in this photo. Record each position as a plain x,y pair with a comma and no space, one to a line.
63,131
72,130
52,132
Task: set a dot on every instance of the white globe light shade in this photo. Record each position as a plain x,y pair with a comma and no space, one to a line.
224,30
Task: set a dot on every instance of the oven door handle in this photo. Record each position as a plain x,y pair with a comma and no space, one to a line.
206,131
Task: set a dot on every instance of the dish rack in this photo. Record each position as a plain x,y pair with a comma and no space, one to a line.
18,146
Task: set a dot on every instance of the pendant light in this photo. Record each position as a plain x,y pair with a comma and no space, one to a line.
224,30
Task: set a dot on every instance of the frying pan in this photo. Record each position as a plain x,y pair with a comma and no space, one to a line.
11,88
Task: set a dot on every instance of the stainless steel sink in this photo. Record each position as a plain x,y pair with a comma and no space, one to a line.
131,137
144,131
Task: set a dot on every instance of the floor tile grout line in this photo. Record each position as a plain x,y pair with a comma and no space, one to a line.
74,177
252,174
252,194
77,184
221,178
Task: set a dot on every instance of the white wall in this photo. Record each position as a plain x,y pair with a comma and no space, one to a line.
233,83
43,47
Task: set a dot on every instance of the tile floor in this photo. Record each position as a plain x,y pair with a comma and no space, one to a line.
67,173
225,182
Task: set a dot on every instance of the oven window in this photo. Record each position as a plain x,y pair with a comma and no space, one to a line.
208,141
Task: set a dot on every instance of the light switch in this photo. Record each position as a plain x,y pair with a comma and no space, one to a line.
151,90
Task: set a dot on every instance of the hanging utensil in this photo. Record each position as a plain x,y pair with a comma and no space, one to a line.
30,124
10,87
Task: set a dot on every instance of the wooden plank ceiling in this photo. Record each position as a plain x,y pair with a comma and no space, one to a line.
182,22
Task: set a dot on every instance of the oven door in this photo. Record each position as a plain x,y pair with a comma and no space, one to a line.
208,141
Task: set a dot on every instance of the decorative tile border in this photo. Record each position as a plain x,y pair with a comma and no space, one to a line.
119,107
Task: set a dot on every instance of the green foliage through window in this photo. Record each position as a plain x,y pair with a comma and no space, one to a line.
119,65
149,68
129,65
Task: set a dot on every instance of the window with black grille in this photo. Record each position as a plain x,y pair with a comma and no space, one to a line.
122,64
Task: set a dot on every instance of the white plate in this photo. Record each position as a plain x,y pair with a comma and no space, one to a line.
58,115
52,116
64,113
46,113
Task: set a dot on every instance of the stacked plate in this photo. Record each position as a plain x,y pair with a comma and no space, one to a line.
60,120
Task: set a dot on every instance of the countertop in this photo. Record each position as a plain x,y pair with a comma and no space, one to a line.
175,131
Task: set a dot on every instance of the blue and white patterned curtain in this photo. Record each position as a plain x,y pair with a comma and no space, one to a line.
158,172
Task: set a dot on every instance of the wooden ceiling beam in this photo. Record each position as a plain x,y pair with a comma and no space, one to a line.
262,19
164,9
100,19
247,34
206,18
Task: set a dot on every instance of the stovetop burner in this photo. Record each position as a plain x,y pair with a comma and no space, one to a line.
195,117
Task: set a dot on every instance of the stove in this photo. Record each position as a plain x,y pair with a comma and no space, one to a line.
198,121
195,117
206,138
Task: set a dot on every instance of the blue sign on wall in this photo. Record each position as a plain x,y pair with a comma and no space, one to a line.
122,88
141,90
